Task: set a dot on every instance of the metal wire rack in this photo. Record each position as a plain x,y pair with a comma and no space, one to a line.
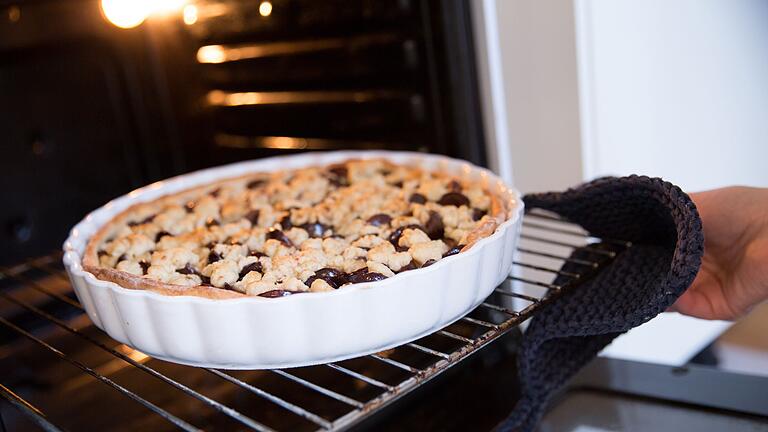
56,367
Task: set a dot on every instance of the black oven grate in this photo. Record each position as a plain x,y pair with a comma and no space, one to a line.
39,313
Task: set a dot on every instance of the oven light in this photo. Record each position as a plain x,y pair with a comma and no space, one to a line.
265,8
210,54
125,14
190,14
131,13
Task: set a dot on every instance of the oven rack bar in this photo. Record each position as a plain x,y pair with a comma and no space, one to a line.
31,411
547,244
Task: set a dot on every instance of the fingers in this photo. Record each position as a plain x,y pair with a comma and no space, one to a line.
693,303
705,299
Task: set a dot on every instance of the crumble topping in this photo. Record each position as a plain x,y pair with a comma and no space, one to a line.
307,230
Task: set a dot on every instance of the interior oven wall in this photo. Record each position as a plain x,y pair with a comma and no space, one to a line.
91,111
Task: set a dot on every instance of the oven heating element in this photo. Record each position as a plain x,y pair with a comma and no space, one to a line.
39,313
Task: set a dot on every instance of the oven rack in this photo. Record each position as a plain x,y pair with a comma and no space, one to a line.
39,311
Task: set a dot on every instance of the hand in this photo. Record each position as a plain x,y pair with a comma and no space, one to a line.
734,271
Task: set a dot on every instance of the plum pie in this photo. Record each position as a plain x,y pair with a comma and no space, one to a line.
280,233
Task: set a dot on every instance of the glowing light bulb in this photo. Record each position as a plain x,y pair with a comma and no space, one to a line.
126,13
210,54
131,13
190,14
265,8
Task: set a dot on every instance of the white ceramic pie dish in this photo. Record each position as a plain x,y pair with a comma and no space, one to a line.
298,330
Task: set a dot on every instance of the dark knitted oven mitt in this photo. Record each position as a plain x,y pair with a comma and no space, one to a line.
664,227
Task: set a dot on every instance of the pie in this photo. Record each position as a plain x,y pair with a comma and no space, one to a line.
281,233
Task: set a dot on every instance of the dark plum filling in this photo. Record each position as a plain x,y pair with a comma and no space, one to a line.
213,257
380,219
256,266
366,276
253,217
453,251
144,266
394,238
280,236
189,270
478,214
332,277
410,266
434,226
160,235
337,175
286,223
277,293
454,199
148,219
253,184
315,230
417,198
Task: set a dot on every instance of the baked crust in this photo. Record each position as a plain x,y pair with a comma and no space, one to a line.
124,241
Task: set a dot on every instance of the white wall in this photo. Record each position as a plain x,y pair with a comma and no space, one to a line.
671,88
675,88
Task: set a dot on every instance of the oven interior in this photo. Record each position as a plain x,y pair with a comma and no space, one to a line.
92,111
